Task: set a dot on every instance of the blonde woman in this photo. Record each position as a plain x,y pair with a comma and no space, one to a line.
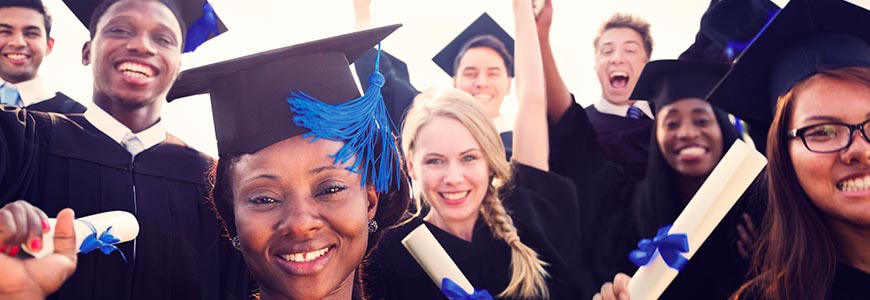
511,228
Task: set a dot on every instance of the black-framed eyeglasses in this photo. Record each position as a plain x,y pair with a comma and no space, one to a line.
830,137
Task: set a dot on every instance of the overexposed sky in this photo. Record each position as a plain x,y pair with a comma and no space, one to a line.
257,25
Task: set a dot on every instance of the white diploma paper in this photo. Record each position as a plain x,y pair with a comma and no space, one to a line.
124,227
431,256
729,179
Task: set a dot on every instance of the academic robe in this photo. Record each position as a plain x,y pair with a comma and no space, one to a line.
55,161
609,226
625,141
544,211
60,103
850,283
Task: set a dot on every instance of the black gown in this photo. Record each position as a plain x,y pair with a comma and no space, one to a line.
545,213
610,228
625,141
850,284
55,161
60,103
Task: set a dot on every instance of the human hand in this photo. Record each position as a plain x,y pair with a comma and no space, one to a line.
21,223
36,278
362,14
544,19
748,236
617,290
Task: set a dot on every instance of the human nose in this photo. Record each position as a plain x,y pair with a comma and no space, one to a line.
687,132
617,57
453,174
140,44
300,219
858,150
17,39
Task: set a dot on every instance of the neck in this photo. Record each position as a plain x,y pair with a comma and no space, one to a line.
853,244
136,118
343,292
462,229
688,187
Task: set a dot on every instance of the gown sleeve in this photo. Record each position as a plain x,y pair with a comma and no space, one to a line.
21,142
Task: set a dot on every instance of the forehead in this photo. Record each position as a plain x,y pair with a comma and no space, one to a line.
22,14
150,10
687,105
821,96
431,136
484,56
620,35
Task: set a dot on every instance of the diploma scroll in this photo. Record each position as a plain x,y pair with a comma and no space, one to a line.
431,256
729,179
124,227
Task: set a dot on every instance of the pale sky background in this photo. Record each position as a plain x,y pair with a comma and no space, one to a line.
257,25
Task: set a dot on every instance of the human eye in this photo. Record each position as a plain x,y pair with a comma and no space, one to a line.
822,132
671,125
469,158
331,189
263,200
33,34
434,161
118,31
164,40
703,122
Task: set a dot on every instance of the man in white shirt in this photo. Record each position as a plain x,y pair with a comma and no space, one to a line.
24,41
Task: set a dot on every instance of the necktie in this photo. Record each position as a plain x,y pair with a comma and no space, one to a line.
9,96
634,112
132,143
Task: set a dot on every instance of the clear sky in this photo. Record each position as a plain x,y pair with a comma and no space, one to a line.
256,25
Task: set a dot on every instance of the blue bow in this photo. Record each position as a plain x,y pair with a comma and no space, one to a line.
201,29
669,245
454,292
732,48
106,242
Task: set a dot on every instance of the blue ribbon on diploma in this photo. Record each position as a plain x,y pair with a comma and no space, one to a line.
105,242
201,29
455,292
669,246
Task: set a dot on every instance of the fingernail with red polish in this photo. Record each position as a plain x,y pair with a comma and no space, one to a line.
2,248
13,251
45,226
36,244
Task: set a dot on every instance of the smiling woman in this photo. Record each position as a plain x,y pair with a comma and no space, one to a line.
302,204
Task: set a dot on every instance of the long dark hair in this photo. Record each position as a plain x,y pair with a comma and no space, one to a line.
658,200
797,253
392,206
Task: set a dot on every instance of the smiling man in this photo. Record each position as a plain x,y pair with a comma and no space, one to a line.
25,40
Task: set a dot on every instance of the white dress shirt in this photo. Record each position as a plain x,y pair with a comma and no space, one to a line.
606,107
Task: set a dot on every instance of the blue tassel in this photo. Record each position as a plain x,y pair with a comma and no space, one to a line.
733,48
201,29
362,123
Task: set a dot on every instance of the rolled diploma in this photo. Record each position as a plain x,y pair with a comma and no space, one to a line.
431,256
729,179
124,227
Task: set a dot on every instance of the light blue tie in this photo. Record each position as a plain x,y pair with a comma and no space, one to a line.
9,96
634,112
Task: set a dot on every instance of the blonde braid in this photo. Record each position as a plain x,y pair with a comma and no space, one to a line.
528,278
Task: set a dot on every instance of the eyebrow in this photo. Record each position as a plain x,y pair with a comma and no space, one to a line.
130,19
822,118
325,168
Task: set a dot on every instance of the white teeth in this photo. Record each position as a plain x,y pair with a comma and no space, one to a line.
854,184
16,56
694,150
482,97
618,73
454,196
305,257
131,67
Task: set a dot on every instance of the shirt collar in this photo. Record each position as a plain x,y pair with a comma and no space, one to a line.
501,124
606,107
104,122
31,91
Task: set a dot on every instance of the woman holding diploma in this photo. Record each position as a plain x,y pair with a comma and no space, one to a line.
511,229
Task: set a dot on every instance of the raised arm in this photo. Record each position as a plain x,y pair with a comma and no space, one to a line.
531,142
558,97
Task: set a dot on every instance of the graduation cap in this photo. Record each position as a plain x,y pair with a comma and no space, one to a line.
201,22
732,24
805,36
666,81
483,26
306,89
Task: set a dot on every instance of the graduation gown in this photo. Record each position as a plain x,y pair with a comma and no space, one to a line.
625,141
609,226
545,213
55,161
850,283
60,103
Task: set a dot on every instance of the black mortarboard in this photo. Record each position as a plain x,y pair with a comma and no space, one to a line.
484,25
201,22
733,23
250,95
666,81
804,37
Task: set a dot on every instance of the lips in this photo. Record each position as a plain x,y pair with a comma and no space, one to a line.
454,198
691,153
305,256
136,69
854,184
483,97
19,57
619,79
304,262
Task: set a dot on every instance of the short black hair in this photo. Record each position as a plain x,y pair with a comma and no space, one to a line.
34,5
488,41
104,6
